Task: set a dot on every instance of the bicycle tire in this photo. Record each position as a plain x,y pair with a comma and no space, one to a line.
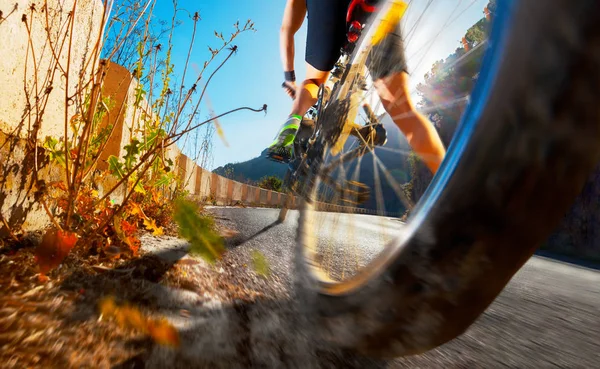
525,145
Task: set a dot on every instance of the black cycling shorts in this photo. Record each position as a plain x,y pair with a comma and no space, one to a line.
327,32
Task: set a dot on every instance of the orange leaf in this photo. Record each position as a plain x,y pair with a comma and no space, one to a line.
126,233
59,184
130,317
128,228
163,332
151,226
136,209
134,244
107,306
53,249
155,196
73,153
126,316
75,118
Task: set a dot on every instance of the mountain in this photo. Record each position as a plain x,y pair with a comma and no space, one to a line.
394,156
252,170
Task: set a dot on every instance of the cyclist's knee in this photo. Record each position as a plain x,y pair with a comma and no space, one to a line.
312,86
314,81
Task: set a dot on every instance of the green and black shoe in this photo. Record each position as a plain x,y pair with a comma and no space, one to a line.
282,147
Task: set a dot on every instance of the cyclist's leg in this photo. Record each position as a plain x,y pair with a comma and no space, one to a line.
306,96
326,32
389,71
419,131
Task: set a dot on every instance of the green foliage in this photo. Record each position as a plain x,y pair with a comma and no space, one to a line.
272,183
131,152
165,180
140,94
443,92
199,230
260,263
229,172
115,167
478,32
55,150
152,137
164,110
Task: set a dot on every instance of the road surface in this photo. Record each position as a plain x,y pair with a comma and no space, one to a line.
548,316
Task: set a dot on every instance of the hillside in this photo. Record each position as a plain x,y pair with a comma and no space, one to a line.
252,170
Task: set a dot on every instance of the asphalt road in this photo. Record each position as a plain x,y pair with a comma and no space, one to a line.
548,316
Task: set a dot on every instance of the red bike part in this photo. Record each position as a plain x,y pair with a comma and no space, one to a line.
354,32
363,4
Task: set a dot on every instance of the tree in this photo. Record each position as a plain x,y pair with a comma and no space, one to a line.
272,183
445,91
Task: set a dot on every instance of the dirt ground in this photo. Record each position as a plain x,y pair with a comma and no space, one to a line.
58,324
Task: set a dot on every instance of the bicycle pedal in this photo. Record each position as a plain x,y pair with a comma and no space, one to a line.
375,135
278,158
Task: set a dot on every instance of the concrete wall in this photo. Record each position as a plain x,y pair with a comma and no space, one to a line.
31,71
27,57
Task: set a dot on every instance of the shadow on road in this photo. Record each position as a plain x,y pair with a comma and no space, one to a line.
240,241
259,334
135,281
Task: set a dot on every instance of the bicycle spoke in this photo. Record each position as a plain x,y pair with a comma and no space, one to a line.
347,142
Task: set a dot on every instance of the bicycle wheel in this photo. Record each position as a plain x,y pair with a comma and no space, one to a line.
527,141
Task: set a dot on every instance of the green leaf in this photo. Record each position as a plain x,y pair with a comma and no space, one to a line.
55,152
139,95
198,230
165,180
139,188
151,138
50,143
132,151
115,167
102,136
260,263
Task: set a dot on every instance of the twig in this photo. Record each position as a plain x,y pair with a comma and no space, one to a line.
178,135
10,232
157,147
105,269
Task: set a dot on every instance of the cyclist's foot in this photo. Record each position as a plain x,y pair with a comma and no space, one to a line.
374,134
281,148
280,154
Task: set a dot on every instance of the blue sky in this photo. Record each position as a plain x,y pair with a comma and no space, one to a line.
253,77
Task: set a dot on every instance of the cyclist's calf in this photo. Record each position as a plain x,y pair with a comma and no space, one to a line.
420,133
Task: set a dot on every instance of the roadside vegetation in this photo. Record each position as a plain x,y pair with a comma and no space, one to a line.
87,211
99,205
